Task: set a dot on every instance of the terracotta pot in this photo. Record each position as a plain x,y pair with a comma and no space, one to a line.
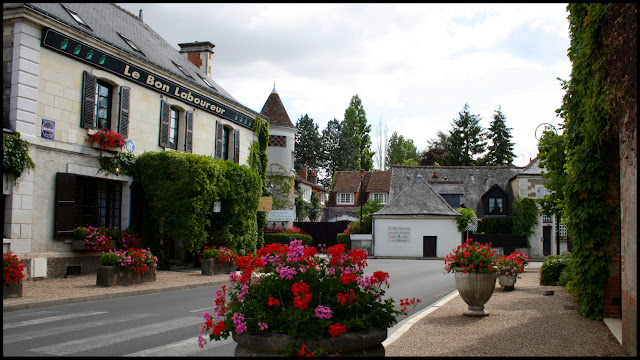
507,281
475,289
355,343
13,289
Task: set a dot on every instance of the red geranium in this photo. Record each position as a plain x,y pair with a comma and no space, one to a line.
12,268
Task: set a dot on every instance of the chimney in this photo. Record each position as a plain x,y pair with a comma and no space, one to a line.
435,176
200,54
313,177
140,15
303,171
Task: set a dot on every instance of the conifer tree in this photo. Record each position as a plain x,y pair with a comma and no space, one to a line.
308,144
330,156
466,139
355,141
500,152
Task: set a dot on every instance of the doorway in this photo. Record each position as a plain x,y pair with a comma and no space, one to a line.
429,246
546,240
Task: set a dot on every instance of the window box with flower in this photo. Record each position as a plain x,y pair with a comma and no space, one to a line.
106,139
126,267
475,274
305,303
217,260
12,275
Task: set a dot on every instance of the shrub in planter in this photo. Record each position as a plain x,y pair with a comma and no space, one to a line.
11,275
552,268
109,259
131,266
217,260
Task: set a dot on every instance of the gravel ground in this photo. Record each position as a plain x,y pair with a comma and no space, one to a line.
522,322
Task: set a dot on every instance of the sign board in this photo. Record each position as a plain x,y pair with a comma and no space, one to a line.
48,129
217,206
399,233
265,203
130,146
473,224
281,215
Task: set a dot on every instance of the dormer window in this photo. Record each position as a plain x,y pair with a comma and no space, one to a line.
344,198
76,17
130,43
182,69
495,201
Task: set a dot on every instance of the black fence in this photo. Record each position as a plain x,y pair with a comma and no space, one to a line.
323,233
509,242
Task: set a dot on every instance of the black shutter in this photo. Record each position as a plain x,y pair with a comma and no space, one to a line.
188,140
218,140
87,113
125,105
165,118
236,146
65,202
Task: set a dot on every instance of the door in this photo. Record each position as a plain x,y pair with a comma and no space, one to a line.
546,240
429,246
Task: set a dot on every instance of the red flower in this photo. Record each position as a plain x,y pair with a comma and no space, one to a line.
337,329
347,278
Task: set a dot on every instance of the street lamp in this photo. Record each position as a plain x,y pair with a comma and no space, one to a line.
361,193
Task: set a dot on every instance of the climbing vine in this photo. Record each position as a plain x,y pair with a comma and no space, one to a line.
15,157
590,147
123,161
463,221
258,161
525,216
282,185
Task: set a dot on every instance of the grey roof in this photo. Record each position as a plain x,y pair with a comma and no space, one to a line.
448,187
106,20
476,180
417,198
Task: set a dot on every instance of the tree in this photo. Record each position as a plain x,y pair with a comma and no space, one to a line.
436,153
315,209
552,161
302,208
401,151
331,158
500,152
382,141
466,139
355,141
308,144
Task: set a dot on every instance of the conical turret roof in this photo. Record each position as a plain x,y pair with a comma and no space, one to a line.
275,111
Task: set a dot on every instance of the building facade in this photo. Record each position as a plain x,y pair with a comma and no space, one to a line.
73,70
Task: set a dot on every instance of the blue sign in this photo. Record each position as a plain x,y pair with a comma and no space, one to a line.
130,146
48,129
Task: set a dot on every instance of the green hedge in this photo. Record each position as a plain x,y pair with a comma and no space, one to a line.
552,268
495,226
344,239
285,239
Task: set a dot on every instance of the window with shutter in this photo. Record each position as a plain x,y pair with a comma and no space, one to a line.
236,146
65,203
165,118
87,114
123,121
188,147
219,130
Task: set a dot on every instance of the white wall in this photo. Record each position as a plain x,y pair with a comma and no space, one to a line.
412,231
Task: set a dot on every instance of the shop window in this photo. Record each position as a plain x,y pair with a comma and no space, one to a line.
227,143
344,199
86,201
176,128
98,104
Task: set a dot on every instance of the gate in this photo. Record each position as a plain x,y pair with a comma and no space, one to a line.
509,242
323,233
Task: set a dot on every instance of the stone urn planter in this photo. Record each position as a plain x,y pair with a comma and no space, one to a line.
111,276
507,281
360,343
11,289
210,267
475,289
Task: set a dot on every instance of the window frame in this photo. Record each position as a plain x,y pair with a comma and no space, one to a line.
76,17
495,200
101,84
174,127
374,195
341,201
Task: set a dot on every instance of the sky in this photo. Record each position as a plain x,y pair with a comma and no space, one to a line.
414,66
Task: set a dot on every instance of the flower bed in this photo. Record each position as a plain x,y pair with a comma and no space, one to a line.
301,293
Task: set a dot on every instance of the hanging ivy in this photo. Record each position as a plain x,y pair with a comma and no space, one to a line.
123,161
525,216
15,157
463,221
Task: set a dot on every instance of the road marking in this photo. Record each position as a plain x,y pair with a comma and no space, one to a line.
50,319
181,348
408,323
12,338
94,342
210,308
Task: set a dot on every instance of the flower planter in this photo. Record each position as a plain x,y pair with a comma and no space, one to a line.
367,342
79,245
475,289
11,289
209,267
111,276
507,281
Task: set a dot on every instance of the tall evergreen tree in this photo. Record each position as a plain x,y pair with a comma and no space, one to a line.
355,140
400,151
308,144
500,152
466,139
331,158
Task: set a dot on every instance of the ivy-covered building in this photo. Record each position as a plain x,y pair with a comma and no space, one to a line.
71,69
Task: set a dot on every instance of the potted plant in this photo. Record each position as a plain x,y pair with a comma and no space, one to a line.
217,260
288,299
475,274
107,138
509,267
12,275
132,266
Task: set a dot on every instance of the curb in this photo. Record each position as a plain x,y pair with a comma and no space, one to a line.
36,304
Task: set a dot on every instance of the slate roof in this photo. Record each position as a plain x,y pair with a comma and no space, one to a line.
417,198
106,20
474,180
274,110
374,181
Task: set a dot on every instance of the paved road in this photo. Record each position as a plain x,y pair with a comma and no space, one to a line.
167,324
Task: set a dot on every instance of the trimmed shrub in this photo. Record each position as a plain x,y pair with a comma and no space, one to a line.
109,259
285,239
568,275
552,268
344,239
495,226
